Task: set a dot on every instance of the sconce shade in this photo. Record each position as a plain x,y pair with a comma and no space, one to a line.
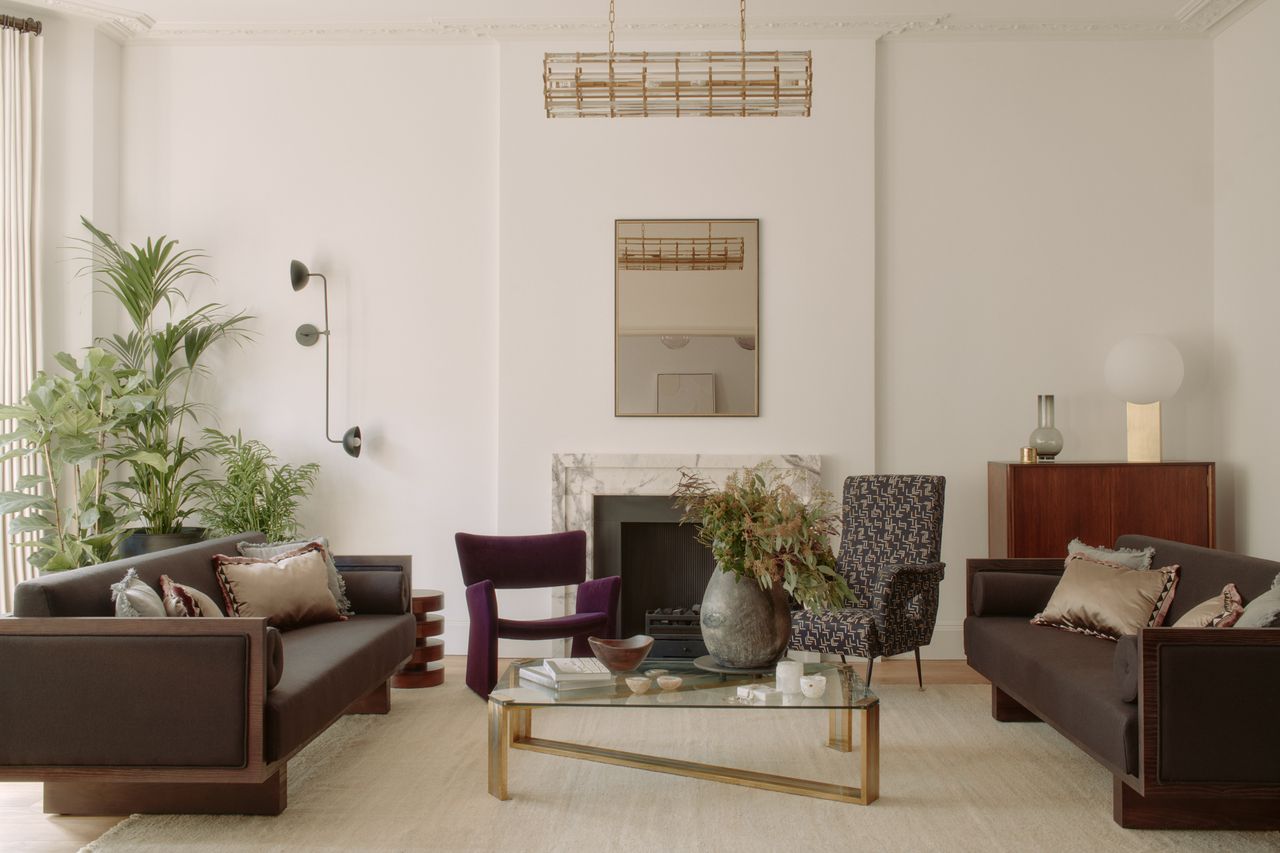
674,341
351,441
1144,369
298,274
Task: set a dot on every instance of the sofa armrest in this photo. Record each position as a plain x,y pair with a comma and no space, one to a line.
1201,688
979,565
1010,593
153,695
377,584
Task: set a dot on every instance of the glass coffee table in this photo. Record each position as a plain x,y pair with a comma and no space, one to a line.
513,701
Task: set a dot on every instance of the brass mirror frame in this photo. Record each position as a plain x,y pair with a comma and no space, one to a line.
617,224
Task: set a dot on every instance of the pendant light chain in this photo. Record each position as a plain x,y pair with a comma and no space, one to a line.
742,24
742,44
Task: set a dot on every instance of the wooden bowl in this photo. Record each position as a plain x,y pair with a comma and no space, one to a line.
621,655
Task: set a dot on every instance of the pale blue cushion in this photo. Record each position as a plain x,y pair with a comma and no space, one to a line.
134,598
1263,611
1130,558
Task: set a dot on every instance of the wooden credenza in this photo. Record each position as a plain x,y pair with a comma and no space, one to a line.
1034,510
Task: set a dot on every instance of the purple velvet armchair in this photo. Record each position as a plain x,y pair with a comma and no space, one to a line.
490,563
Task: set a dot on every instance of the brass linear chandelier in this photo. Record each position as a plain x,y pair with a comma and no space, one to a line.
679,83
680,253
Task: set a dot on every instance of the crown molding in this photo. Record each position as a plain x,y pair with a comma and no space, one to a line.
1203,14
1197,18
1214,16
121,24
457,29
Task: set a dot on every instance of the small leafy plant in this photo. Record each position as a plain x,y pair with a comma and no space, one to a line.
255,492
758,527
65,430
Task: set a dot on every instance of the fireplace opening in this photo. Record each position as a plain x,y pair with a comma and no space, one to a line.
664,570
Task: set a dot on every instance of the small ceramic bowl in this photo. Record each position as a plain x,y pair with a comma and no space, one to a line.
639,684
669,682
813,686
654,673
621,655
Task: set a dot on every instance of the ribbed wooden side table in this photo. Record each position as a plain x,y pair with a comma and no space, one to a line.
426,667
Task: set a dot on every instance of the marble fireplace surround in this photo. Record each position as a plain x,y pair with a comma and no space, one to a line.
577,478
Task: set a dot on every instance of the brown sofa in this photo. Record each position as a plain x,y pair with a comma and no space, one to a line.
1187,720
174,715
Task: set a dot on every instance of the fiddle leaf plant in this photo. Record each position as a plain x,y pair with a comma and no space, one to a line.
64,429
168,351
255,491
758,527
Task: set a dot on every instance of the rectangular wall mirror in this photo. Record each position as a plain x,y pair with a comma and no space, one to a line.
687,317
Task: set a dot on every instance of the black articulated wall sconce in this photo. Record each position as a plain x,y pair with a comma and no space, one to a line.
307,335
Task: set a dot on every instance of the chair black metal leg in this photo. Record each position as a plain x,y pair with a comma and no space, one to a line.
871,662
919,671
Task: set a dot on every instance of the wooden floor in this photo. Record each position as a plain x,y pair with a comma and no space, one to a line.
25,828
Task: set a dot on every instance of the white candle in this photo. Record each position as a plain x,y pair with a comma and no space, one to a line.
787,675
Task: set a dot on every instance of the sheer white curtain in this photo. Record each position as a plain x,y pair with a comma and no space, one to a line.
20,83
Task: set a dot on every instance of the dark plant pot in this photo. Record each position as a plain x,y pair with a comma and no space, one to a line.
140,542
743,625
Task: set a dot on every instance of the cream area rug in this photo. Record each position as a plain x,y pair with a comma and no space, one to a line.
951,779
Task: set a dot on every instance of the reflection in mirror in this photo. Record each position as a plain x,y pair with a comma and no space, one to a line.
687,324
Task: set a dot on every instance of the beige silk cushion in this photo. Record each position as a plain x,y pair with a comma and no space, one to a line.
1221,611
270,551
183,600
291,590
1109,601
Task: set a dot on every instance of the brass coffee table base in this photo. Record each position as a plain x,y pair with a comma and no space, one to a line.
511,727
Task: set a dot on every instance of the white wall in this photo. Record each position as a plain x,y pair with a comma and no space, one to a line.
564,182
1038,201
1029,204
1247,276
350,159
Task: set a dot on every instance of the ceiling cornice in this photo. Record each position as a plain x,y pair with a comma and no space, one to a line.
1213,16
544,29
120,24
1197,18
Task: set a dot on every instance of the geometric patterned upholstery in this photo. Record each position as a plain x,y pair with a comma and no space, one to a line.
890,550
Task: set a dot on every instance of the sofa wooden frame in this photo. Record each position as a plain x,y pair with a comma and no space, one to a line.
1149,800
256,787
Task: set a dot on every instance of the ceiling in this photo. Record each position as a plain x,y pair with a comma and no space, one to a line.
185,19
411,10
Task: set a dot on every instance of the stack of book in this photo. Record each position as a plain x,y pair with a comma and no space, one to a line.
568,674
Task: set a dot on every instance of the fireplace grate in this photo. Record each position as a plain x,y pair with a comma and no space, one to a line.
676,631
673,622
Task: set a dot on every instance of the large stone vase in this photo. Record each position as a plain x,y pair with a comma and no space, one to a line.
743,625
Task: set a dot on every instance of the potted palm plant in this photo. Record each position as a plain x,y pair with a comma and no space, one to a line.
255,491
68,510
167,347
768,544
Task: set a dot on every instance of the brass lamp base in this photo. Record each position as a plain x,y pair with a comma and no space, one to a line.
1144,432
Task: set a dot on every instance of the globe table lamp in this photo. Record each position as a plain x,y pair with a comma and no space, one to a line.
1142,371
307,335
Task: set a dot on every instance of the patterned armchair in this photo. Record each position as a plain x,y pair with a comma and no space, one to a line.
890,547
